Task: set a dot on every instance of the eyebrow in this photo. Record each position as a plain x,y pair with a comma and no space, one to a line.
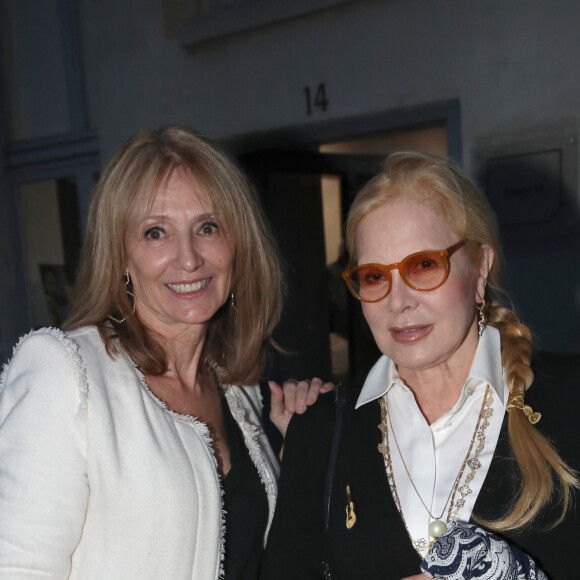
161,217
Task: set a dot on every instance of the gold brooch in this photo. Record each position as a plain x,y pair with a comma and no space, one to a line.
350,515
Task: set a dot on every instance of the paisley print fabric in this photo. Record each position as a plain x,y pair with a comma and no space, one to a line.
467,552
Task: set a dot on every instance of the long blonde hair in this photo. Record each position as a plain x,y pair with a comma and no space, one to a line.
467,211
239,336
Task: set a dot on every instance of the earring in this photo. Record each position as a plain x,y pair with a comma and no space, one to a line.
129,293
482,320
233,300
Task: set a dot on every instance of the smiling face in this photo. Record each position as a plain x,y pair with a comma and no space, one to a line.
421,330
179,260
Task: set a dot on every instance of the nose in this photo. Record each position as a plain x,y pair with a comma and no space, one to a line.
188,256
401,297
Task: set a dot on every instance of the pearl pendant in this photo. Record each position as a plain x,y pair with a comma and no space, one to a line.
437,529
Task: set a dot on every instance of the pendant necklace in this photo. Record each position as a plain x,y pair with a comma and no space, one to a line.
437,527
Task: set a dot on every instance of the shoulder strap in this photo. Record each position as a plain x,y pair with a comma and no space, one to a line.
340,401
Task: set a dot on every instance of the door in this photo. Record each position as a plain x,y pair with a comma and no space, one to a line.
50,219
306,198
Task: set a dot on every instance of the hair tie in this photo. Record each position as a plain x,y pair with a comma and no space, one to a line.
516,401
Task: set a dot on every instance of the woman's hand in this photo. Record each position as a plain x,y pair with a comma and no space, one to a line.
294,397
417,577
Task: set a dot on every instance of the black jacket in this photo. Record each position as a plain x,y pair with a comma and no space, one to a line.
378,545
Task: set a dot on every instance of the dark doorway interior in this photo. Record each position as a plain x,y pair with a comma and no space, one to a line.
306,196
322,328
306,180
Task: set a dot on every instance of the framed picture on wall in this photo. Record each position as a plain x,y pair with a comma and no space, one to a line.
532,186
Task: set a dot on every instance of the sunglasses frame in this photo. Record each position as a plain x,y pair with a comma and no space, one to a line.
445,254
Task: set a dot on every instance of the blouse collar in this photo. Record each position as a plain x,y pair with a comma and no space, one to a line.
486,367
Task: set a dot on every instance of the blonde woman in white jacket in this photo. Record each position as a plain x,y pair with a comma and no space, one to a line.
131,445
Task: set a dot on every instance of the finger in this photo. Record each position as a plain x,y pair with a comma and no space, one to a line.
289,389
327,387
276,398
300,400
314,390
278,415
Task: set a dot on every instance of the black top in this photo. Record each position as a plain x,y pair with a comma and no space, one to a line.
246,508
377,546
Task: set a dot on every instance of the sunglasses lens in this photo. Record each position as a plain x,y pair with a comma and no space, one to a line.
370,282
425,271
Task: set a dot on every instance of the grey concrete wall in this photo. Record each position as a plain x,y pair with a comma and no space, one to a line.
511,64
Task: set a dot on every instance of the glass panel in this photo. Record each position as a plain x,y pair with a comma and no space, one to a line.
335,263
34,62
50,222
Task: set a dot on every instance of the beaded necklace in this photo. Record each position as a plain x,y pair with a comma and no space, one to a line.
436,527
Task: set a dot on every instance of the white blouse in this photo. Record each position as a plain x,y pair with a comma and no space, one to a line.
433,455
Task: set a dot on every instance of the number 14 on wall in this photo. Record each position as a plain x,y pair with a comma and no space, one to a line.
320,100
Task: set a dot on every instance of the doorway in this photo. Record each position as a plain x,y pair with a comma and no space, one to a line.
52,250
47,219
306,194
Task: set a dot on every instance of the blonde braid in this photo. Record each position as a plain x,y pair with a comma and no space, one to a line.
541,468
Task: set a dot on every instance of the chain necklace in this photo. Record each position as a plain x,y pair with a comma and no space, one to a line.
436,527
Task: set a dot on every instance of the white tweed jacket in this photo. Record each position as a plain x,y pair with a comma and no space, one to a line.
98,479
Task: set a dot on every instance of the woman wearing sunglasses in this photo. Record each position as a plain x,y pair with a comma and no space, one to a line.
440,435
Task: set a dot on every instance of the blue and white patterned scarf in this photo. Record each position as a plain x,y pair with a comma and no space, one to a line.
467,552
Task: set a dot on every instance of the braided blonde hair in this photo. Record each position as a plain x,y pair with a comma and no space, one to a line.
440,182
